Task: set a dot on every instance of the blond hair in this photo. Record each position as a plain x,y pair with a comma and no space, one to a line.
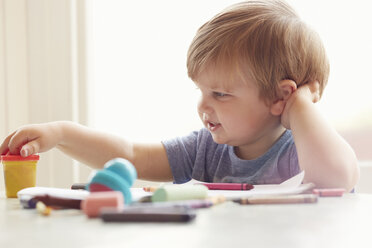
264,39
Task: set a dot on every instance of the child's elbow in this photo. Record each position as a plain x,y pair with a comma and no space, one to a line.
341,173
350,174
353,177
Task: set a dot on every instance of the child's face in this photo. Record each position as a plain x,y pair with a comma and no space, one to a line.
233,112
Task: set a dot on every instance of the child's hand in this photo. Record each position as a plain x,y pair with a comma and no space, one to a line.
31,139
306,93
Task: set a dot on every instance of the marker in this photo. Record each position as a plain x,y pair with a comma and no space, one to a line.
51,201
148,215
228,186
79,186
280,199
27,201
329,192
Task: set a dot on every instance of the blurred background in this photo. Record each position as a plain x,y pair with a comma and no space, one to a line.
120,66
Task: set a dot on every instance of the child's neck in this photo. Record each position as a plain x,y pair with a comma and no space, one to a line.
260,147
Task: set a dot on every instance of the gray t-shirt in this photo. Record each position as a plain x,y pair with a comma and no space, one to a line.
197,156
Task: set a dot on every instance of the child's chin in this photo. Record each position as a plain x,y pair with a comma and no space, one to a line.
218,140
224,141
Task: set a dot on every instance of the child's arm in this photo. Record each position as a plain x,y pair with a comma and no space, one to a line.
89,147
325,156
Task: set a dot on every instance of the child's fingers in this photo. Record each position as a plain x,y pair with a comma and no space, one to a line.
30,148
4,148
19,139
312,90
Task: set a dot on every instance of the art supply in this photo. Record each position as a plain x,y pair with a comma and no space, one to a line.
96,201
179,192
213,186
51,201
175,214
218,199
329,192
145,199
118,175
228,186
150,189
19,173
77,186
188,204
43,209
91,205
27,201
279,199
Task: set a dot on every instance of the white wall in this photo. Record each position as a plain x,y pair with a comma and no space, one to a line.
14,71
365,181
40,53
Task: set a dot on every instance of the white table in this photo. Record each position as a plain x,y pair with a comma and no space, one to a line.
332,222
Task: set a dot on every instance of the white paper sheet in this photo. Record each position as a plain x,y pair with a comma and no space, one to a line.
291,186
56,192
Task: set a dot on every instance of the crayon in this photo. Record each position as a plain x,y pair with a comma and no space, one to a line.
228,186
214,186
79,186
278,199
174,214
329,192
150,189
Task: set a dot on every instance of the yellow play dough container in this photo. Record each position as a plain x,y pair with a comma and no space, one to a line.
19,173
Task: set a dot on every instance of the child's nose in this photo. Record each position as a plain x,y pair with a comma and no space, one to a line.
204,106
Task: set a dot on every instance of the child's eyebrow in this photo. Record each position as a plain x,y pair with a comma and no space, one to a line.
223,89
215,87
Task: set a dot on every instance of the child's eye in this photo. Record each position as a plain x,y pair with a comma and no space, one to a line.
219,94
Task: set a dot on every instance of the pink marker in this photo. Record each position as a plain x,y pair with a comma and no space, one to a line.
228,186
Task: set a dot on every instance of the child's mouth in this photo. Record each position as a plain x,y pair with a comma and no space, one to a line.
213,126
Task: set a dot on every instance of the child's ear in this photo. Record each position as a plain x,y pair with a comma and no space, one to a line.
285,90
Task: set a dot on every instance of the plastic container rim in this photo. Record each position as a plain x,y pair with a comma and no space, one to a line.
19,158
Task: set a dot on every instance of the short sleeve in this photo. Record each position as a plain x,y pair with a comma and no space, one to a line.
181,152
288,160
294,167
